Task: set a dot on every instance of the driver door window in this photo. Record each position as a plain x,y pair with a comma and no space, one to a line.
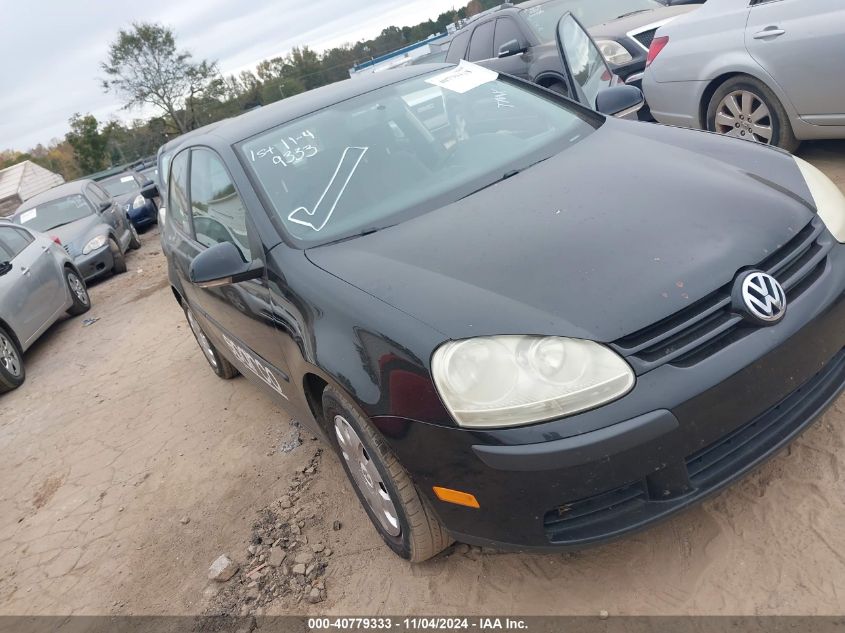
218,212
585,61
481,46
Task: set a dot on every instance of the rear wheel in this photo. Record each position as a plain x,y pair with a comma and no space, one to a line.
12,373
397,510
118,257
78,292
745,108
223,368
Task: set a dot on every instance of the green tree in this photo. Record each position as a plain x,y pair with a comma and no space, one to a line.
88,143
144,66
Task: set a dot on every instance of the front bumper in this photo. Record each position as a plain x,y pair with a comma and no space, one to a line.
95,264
683,433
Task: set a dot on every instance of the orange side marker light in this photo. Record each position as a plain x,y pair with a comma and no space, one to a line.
456,496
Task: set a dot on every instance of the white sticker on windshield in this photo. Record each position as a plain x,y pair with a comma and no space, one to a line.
26,216
464,77
127,179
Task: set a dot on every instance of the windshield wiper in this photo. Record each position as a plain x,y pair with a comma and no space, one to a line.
62,224
508,174
625,15
361,233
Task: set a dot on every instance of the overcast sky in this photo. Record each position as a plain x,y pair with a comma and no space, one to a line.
50,50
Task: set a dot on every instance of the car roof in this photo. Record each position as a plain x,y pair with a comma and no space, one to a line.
290,108
67,189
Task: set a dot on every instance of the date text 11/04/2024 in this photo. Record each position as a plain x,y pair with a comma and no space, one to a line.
418,623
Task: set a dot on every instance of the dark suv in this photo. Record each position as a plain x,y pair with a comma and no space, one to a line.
520,40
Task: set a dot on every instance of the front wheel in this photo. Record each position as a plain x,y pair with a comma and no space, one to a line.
119,259
223,368
12,373
78,292
134,238
745,108
399,513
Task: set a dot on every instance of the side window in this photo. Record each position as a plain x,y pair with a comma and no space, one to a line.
177,195
217,210
457,48
507,30
12,242
481,46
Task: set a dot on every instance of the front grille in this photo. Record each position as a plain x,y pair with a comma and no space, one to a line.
646,37
709,324
635,505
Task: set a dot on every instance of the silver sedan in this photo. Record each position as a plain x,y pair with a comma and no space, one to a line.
765,71
38,284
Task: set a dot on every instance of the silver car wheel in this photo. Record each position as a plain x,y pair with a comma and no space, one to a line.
202,339
9,358
742,114
366,476
78,288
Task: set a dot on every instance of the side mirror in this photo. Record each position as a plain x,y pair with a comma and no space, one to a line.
221,265
5,267
511,47
149,190
620,101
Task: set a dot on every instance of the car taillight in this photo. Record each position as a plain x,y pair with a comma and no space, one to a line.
657,45
56,240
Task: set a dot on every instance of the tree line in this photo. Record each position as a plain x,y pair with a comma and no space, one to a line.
145,67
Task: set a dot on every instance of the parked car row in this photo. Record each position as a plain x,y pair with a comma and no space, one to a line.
52,246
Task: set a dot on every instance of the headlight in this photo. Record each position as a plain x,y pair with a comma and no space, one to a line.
139,201
503,381
829,199
94,244
614,52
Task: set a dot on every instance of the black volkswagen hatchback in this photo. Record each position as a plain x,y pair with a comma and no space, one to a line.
519,322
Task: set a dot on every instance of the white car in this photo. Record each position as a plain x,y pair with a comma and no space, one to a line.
38,284
762,70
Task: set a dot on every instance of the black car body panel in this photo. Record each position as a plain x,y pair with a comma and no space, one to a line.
574,246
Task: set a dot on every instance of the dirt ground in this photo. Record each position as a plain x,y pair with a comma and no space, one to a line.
128,467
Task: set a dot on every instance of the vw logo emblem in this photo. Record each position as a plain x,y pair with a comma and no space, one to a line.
763,297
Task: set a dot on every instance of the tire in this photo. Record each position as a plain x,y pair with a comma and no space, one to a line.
776,120
119,258
78,292
135,239
417,534
12,371
558,87
219,365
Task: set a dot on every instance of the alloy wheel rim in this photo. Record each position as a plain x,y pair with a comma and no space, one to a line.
78,289
743,114
9,358
202,339
366,476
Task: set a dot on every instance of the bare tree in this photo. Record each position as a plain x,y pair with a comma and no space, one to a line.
145,67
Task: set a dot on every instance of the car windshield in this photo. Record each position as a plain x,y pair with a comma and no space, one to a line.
543,18
49,215
405,149
119,185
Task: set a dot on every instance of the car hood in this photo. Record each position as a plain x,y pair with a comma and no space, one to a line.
618,28
75,236
626,227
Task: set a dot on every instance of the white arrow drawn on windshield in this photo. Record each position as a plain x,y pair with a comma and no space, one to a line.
334,191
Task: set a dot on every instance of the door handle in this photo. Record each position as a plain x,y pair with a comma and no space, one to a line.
770,32
25,270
